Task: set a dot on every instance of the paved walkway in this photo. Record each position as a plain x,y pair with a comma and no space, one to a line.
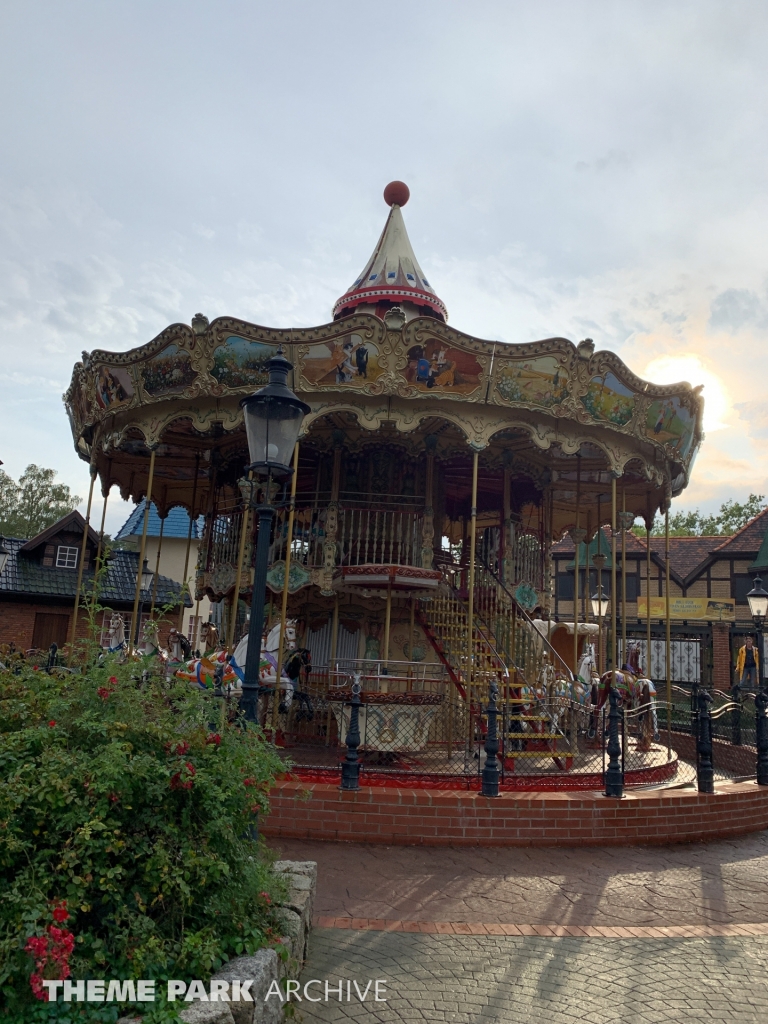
656,934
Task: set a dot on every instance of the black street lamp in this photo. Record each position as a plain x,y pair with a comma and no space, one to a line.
758,606
273,418
146,583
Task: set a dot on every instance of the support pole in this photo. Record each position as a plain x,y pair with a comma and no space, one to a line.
668,657
83,548
576,541
157,569
250,699
238,576
97,564
624,574
412,626
614,639
471,594
648,525
288,546
189,542
388,622
142,551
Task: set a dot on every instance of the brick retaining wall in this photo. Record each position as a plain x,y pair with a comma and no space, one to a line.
403,817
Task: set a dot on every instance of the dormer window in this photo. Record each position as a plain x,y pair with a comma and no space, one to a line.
66,558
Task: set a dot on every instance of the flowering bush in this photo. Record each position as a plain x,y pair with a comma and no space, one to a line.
125,834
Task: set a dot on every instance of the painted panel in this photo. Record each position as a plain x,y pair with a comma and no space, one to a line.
240,363
347,360
169,372
608,399
672,424
114,387
434,365
540,381
690,608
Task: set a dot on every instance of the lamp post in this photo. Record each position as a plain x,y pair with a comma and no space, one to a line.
758,606
273,418
146,583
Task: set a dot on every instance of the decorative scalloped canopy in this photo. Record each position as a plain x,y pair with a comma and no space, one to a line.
392,274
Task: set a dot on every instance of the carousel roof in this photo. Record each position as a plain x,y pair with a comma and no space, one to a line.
392,274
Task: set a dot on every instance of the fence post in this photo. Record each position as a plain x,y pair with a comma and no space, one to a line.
491,766
695,717
614,775
761,737
736,716
705,774
350,769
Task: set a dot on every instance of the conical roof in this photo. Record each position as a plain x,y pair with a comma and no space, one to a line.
392,274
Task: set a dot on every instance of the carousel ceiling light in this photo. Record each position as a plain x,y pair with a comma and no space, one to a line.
273,418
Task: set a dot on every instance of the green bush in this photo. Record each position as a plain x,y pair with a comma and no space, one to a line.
126,813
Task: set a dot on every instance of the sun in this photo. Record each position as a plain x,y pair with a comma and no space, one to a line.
674,369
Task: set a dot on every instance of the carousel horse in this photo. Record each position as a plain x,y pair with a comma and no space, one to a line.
179,648
116,634
268,662
210,673
634,690
150,641
209,634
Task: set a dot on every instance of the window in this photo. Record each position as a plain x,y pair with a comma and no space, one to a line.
740,587
66,558
564,587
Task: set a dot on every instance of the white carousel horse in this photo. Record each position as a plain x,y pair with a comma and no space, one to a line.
116,634
268,660
179,647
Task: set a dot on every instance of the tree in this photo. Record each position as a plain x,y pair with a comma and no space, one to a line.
34,503
731,517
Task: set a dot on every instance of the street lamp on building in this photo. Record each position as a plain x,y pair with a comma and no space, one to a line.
758,607
273,418
146,584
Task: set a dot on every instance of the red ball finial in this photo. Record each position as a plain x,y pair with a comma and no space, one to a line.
396,193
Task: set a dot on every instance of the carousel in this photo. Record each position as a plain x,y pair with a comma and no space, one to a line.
408,550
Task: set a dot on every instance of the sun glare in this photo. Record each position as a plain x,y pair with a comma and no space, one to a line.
674,369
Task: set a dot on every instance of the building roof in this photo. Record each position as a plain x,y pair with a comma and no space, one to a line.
72,521
176,523
393,272
25,576
749,539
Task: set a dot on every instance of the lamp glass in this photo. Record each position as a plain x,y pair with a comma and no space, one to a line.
758,600
599,605
272,427
146,576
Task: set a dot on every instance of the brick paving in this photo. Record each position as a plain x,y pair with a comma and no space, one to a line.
636,935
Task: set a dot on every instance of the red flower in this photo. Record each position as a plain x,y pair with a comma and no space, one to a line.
113,798
266,897
52,723
213,738
177,782
249,782
177,748
113,680
51,950
103,692
60,913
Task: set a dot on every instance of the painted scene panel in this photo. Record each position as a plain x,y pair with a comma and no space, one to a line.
348,360
541,381
169,372
436,366
672,424
240,363
114,387
609,399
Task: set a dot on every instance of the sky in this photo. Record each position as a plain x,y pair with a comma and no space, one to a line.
577,169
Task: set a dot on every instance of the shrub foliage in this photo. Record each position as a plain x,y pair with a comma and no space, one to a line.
127,807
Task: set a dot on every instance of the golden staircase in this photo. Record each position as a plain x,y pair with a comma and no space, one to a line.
506,649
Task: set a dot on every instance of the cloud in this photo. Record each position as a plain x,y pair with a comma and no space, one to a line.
734,308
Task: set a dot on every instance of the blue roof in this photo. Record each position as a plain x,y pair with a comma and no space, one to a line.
176,523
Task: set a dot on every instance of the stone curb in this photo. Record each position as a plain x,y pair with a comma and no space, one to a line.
264,967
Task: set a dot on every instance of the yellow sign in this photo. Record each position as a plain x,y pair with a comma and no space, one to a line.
711,609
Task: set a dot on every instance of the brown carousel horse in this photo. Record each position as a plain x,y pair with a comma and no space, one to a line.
635,691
